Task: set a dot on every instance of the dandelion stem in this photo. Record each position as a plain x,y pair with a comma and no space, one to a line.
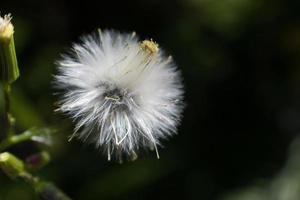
9,71
15,139
9,120
14,167
25,136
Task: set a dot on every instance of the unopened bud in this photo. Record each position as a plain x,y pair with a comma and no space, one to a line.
11,165
9,70
37,161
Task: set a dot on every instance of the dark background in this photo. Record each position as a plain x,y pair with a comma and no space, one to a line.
240,61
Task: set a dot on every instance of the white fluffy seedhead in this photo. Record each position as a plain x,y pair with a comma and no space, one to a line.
124,95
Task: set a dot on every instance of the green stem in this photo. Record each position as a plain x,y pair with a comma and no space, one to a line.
41,133
15,139
8,117
44,189
14,167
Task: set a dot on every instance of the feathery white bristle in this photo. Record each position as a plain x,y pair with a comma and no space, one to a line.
124,95
4,21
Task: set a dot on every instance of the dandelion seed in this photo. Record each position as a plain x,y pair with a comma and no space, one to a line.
124,95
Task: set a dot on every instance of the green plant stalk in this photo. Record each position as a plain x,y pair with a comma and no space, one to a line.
9,71
9,120
25,136
15,139
11,165
15,168
45,190
48,191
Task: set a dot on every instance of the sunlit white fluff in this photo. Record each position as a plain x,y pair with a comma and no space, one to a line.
4,21
6,27
124,95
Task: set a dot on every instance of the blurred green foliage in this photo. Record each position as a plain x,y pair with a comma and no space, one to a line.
284,186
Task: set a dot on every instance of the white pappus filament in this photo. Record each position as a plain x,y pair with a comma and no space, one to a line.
124,95
4,21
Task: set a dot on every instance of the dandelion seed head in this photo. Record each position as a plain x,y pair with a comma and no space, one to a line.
124,95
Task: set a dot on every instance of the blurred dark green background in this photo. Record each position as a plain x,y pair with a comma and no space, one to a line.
240,60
